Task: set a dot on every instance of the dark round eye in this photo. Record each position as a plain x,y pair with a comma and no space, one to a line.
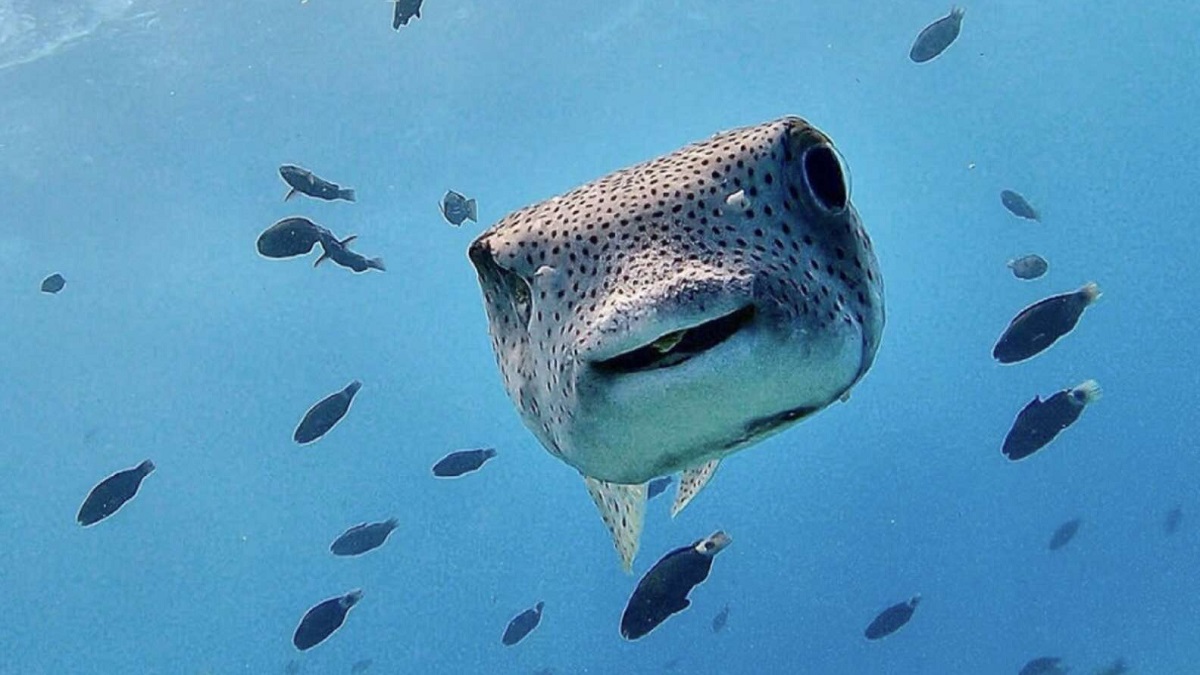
826,181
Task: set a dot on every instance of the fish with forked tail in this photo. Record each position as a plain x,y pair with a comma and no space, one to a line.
340,253
735,269
306,182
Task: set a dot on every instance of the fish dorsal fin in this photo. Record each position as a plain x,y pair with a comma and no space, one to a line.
324,256
623,508
692,482
349,239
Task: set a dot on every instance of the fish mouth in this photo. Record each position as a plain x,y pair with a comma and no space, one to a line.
679,346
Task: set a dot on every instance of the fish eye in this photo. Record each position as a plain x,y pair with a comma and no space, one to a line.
825,177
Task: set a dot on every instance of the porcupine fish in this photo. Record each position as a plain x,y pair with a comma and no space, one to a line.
671,313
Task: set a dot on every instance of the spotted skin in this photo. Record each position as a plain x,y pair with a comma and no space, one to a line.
673,312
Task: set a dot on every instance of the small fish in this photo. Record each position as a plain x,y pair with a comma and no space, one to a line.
112,493
362,538
53,283
1044,665
522,625
290,237
1018,205
323,619
1039,422
1118,667
462,462
305,182
404,11
361,666
325,414
1028,267
456,208
657,486
1064,534
1173,520
1041,324
892,619
664,590
722,618
338,252
936,37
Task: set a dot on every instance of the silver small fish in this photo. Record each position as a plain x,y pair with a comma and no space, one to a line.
1028,267
456,208
937,36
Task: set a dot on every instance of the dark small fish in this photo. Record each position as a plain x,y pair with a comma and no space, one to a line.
112,493
323,619
522,625
53,283
338,252
1041,324
405,10
1118,667
1028,267
462,462
722,618
658,486
292,667
1039,422
936,37
892,619
456,208
663,591
363,537
1173,520
325,414
1018,205
361,666
1065,533
290,237
305,182
1044,665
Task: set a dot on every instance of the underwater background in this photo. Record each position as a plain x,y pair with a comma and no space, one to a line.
139,147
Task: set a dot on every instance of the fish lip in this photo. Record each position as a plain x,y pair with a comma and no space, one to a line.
696,340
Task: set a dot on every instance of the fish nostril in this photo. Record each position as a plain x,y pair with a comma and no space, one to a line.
825,179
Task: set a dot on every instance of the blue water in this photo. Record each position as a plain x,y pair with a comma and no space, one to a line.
139,147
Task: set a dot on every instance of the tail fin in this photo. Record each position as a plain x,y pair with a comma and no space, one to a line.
347,194
1087,392
472,211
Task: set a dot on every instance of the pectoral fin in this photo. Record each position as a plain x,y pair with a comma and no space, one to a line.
692,482
623,508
